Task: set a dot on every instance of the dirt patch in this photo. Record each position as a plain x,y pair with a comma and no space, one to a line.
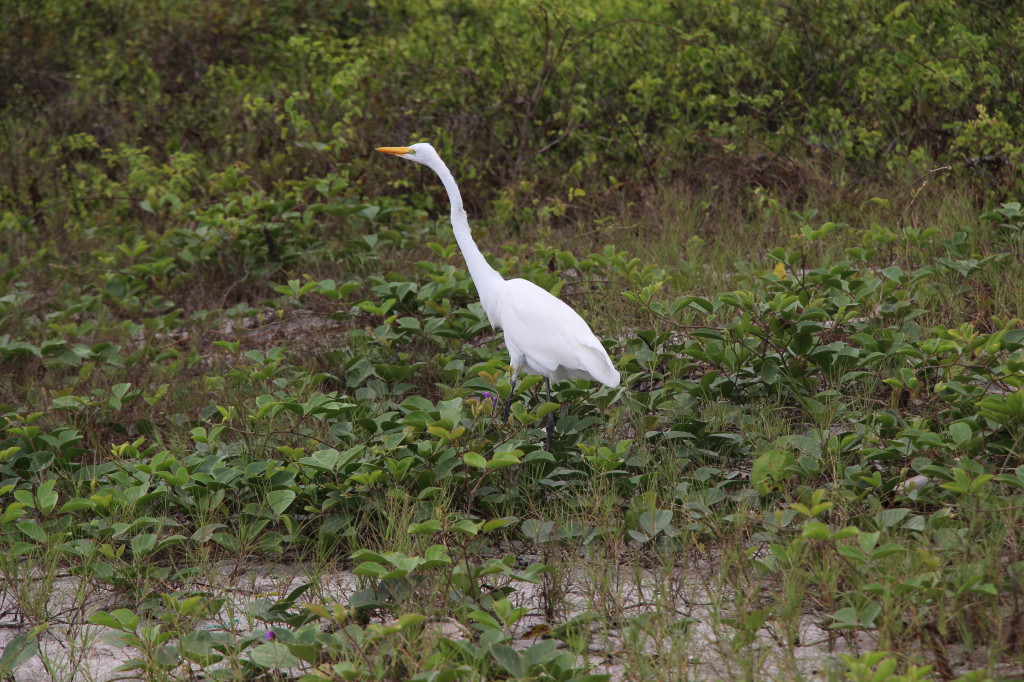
674,616
677,616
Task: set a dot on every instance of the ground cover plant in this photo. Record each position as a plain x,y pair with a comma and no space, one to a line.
251,411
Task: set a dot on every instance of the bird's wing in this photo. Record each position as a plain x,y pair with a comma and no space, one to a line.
550,335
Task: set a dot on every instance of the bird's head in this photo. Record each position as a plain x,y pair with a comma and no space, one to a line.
420,153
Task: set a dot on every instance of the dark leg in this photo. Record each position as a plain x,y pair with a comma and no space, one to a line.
551,418
508,403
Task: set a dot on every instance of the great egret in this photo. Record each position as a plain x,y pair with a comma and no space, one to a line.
544,336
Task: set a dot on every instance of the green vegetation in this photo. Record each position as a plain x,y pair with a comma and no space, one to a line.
250,407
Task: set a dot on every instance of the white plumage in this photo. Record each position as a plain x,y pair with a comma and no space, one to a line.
543,334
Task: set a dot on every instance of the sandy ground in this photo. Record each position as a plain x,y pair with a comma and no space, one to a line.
72,650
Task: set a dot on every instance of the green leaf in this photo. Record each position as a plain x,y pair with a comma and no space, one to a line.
367,555
546,408
279,500
852,553
886,549
198,647
14,510
226,540
845,618
847,532
475,460
76,504
47,498
32,529
540,653
770,465
961,432
485,618
466,527
105,619
18,549
143,543
370,569
408,620
20,649
890,517
502,460
868,541
654,522
120,619
497,523
638,536
893,273
816,530
509,659
436,555
273,656
425,528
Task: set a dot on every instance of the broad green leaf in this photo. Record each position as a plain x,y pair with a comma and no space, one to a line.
47,497
273,656
370,569
20,649
890,517
475,460
509,659
497,523
502,460
279,500
466,527
76,504
546,408
33,530
407,620
141,544
845,618
654,522
540,653
816,530
770,465
961,432
425,528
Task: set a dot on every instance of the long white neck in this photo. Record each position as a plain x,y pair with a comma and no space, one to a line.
486,278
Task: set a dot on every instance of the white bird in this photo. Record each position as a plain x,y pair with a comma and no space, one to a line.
544,335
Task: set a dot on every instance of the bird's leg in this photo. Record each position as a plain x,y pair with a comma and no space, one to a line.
551,418
511,393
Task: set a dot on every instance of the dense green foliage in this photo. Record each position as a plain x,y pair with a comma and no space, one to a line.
616,94
229,336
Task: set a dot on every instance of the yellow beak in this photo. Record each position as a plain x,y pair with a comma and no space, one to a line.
397,151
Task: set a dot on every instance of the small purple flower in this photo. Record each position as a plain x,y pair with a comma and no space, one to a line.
492,397
269,635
